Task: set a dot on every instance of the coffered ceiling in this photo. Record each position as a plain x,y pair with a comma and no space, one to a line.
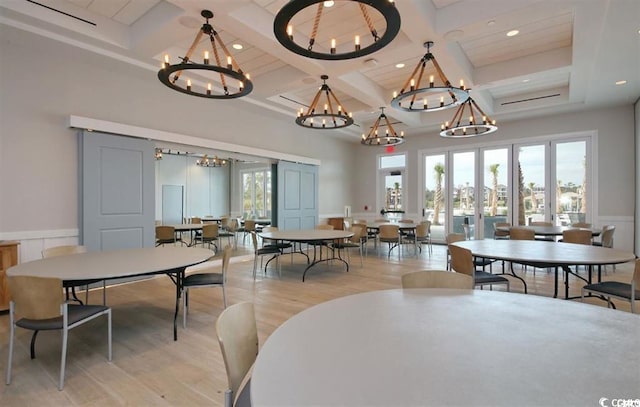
567,56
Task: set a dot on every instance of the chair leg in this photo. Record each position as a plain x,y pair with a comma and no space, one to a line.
12,329
185,306
224,296
63,356
33,344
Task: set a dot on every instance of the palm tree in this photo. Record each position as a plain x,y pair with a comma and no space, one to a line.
396,187
439,172
534,200
583,190
493,168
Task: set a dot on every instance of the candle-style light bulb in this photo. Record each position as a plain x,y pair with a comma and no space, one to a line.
206,57
339,109
325,108
247,76
208,88
470,119
441,101
395,94
290,32
484,119
402,134
357,42
311,121
229,65
424,103
461,84
240,86
188,84
412,84
324,123
431,81
333,46
166,61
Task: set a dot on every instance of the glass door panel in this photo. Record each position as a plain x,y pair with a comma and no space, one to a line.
435,191
571,182
393,200
531,185
495,194
463,193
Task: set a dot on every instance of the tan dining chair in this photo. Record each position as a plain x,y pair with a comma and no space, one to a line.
521,233
67,250
462,262
353,242
266,250
436,279
390,234
40,304
249,226
615,289
165,235
203,278
210,235
606,240
237,333
423,235
452,238
579,236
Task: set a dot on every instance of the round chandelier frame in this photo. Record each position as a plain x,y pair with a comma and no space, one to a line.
327,118
454,96
170,74
474,127
390,138
283,30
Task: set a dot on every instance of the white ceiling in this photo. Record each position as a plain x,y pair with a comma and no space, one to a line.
567,56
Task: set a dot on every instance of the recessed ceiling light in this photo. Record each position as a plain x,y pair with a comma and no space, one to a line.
400,65
328,3
525,80
621,82
491,22
237,46
513,33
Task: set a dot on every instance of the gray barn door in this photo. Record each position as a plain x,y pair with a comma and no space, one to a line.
297,196
117,196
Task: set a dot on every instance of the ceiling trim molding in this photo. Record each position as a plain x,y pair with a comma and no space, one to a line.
79,122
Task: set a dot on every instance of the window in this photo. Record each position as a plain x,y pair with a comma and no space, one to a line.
256,194
392,161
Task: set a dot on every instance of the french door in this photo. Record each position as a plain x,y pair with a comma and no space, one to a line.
547,180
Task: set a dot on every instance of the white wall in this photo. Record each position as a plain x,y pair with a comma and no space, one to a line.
42,82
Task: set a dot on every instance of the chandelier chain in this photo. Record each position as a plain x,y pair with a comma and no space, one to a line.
367,19
316,25
214,47
187,57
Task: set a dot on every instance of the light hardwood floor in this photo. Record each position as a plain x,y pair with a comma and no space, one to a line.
149,368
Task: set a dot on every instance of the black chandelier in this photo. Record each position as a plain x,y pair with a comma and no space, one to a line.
414,95
171,74
284,30
330,116
211,162
479,123
389,138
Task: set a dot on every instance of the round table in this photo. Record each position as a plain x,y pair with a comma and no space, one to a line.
439,347
547,254
550,230
118,264
309,236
